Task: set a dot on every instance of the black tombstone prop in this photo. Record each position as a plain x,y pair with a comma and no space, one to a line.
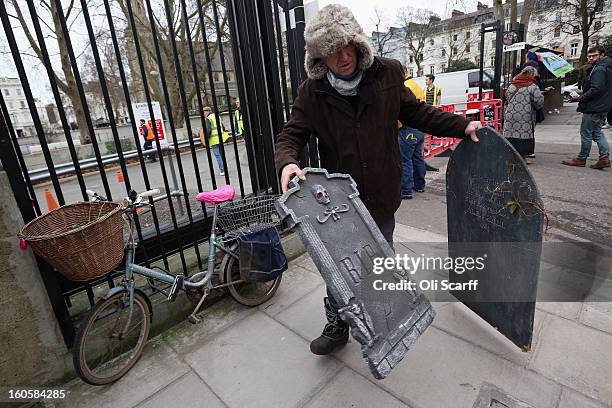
343,240
494,208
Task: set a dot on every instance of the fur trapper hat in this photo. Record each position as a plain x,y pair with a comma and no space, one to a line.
331,29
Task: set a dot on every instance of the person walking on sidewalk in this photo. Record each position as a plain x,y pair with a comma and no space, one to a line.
149,137
213,129
594,103
351,103
411,148
523,99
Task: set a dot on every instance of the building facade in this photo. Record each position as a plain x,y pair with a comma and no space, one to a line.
18,110
458,38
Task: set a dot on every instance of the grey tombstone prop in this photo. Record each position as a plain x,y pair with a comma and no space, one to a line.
494,208
343,239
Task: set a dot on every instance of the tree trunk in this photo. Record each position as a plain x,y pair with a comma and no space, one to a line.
71,91
513,11
584,16
527,10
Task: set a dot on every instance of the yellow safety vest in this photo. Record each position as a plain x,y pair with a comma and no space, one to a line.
213,138
437,90
238,118
416,90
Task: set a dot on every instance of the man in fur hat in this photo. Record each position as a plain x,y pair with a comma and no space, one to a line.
351,102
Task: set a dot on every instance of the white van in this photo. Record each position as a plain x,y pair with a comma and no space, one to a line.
457,85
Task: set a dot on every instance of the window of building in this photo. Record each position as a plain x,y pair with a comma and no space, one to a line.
420,57
575,30
23,105
7,92
468,35
478,61
557,32
411,59
492,60
443,67
599,6
467,48
454,37
455,51
18,91
597,25
10,104
594,41
411,71
573,49
558,16
540,18
431,41
539,35
507,12
493,43
432,69
444,52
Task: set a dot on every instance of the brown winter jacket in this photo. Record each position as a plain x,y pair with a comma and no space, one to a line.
363,143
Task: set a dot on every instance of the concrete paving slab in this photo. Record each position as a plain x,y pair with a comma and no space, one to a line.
306,316
158,367
187,337
567,310
258,362
572,399
458,320
187,391
305,261
597,315
576,356
349,389
444,371
296,283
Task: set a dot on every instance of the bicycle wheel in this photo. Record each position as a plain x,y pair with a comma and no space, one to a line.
105,348
248,293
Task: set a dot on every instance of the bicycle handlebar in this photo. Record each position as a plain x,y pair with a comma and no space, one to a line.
149,193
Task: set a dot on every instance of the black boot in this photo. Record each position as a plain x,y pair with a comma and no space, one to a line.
335,334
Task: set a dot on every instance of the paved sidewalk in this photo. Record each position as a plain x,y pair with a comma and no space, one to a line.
242,357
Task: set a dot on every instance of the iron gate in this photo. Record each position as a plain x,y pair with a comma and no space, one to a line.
184,54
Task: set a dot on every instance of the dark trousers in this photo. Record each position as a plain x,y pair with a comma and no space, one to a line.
148,145
413,164
387,229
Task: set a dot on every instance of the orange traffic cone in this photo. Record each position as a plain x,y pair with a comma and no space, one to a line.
51,202
121,182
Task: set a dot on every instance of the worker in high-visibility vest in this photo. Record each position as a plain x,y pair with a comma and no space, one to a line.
238,123
433,93
410,142
149,136
213,128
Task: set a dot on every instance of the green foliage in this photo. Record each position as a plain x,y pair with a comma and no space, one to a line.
126,144
461,65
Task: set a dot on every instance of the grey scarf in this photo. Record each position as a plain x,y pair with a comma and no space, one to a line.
343,86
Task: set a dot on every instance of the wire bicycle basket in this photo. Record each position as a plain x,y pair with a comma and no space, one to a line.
82,241
236,218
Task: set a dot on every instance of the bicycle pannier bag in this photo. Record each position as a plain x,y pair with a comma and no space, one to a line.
261,255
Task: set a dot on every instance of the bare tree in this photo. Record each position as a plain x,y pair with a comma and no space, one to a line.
498,10
178,29
49,17
586,17
385,42
457,46
419,26
528,6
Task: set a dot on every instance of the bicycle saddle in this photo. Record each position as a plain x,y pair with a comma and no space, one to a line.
217,196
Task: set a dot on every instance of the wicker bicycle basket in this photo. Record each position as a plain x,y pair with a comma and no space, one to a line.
82,241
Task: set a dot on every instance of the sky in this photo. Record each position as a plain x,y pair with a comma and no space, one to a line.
364,9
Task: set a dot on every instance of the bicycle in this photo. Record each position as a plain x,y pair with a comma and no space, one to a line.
112,337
